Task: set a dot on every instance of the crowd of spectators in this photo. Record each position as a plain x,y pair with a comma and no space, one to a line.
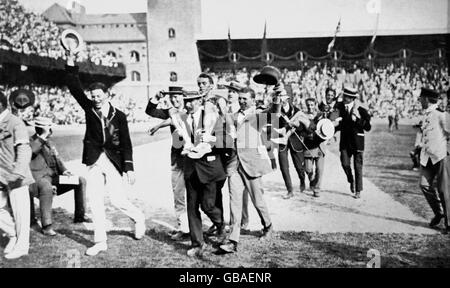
380,88
30,33
58,104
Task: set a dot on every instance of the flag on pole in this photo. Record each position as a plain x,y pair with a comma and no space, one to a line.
229,40
338,29
374,7
264,42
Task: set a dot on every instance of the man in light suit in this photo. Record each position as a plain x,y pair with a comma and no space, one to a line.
433,156
251,163
355,120
176,159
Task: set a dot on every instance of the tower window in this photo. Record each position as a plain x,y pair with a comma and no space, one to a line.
173,56
134,56
173,77
135,76
171,33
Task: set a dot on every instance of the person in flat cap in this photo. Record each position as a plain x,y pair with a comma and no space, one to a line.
15,177
354,120
234,87
434,157
46,167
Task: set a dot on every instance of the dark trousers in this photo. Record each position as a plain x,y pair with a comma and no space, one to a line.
436,199
43,189
201,195
357,164
298,159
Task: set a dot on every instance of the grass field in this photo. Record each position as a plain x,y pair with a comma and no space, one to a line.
386,164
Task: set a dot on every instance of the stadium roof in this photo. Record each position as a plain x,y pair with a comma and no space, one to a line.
319,18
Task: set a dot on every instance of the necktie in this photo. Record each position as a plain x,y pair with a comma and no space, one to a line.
192,124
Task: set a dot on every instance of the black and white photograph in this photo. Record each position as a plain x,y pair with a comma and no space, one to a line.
224,134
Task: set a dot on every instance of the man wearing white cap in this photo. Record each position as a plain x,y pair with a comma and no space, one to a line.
46,167
15,176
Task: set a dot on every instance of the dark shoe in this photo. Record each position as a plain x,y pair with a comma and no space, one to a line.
302,187
48,231
357,195
267,233
178,236
34,223
197,251
289,195
436,220
211,230
352,187
221,234
83,219
229,247
316,192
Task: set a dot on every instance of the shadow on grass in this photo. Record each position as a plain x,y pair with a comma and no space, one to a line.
356,255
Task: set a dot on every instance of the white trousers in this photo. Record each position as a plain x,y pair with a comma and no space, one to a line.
103,177
17,224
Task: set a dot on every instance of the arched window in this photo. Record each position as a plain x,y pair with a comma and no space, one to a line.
173,56
173,77
171,33
135,76
111,53
134,56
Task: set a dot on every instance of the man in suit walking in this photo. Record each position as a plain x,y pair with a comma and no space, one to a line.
15,176
202,174
108,153
434,156
46,167
355,120
251,162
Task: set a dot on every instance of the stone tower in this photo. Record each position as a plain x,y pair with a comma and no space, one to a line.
172,26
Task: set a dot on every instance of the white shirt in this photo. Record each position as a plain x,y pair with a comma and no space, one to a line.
348,107
242,114
194,117
4,114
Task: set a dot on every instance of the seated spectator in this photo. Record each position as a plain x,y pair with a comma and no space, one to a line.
46,167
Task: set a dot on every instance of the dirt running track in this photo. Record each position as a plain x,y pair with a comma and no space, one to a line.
335,211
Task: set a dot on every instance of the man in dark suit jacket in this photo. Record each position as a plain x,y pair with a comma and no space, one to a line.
108,153
201,176
355,120
46,167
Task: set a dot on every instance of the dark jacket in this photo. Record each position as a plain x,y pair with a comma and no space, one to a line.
45,161
114,139
209,168
293,140
352,132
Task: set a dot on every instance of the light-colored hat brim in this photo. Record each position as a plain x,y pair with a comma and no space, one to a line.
68,32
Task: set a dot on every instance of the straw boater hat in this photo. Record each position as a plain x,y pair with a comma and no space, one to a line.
70,37
350,92
235,86
42,122
325,129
